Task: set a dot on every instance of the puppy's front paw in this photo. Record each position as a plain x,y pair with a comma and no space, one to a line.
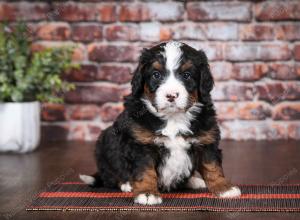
148,199
233,192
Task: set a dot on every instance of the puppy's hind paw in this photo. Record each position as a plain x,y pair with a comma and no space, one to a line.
148,199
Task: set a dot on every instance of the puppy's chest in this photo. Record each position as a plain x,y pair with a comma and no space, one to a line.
176,164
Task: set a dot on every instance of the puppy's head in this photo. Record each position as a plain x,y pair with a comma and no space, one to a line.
171,77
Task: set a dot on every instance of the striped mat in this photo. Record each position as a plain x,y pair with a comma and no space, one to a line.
76,196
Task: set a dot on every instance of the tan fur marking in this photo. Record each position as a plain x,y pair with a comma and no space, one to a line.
157,65
143,135
208,137
148,94
148,182
193,98
213,176
186,65
205,137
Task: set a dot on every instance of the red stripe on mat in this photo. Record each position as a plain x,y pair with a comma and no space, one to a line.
245,185
163,207
169,195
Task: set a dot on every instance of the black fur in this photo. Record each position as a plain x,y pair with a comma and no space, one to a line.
121,158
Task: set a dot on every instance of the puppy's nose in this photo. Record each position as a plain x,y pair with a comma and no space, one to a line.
172,96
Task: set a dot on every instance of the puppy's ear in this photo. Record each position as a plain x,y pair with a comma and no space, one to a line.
206,82
137,82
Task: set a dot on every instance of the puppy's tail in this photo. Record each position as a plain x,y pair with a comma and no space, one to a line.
93,180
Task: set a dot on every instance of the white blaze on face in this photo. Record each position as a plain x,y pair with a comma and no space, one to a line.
172,86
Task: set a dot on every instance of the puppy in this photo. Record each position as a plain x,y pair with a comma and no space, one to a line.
167,136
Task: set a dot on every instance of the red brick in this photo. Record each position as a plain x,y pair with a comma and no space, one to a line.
95,94
225,91
163,11
274,52
70,11
110,111
221,31
78,132
101,52
87,32
226,110
207,11
114,73
135,12
249,71
53,31
188,31
107,13
275,92
253,110
284,71
251,52
246,130
94,132
54,132
214,51
211,31
86,73
83,112
53,112
288,31
125,90
256,32
277,10
221,71
294,131
78,53
122,32
297,52
23,11
287,111
297,70
241,52
150,32
237,130
165,34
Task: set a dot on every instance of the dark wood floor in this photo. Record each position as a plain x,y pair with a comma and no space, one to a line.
23,176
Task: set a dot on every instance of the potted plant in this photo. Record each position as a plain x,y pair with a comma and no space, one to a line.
26,79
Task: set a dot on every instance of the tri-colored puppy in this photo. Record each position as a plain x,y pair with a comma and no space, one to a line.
167,137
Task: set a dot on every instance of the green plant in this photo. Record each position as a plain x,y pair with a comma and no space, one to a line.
26,76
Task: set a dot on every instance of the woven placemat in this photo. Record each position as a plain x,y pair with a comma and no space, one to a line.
73,196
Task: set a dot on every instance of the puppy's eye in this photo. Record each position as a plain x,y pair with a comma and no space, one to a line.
156,75
186,75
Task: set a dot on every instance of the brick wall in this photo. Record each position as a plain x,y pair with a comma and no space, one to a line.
253,48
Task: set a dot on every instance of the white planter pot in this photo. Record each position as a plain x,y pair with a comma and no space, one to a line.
19,126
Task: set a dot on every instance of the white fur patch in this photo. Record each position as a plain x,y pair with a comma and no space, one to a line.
173,54
231,193
150,199
177,165
195,183
172,85
177,123
126,187
87,179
